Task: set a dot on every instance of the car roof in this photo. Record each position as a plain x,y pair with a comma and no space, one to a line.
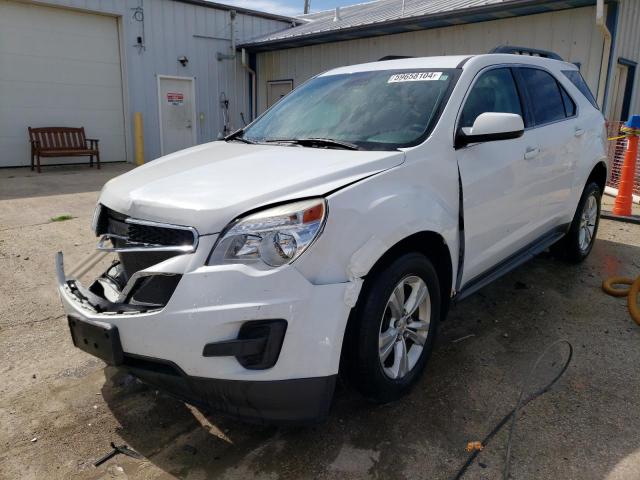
452,61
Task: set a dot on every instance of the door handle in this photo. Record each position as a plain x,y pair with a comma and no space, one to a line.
188,125
579,132
531,153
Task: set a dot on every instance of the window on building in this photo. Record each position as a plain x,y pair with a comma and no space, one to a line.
494,91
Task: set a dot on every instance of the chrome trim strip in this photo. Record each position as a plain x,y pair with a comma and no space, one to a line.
149,247
96,217
60,275
141,247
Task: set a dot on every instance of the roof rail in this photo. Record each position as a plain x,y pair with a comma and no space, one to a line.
393,57
526,51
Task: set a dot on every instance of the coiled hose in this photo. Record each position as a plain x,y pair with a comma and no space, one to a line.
631,293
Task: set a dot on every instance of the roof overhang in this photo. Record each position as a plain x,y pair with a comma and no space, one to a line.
246,11
508,9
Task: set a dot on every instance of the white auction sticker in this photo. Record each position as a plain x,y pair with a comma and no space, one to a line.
414,77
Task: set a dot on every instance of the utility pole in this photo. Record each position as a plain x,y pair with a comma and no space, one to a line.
306,6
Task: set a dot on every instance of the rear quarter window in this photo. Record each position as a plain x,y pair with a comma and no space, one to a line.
576,78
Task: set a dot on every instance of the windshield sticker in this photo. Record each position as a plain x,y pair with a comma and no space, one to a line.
414,77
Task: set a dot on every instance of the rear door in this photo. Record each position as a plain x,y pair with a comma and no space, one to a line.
498,180
557,132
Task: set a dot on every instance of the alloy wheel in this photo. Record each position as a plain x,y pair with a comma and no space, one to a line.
588,220
404,327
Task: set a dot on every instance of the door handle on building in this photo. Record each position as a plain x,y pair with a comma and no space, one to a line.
531,153
188,125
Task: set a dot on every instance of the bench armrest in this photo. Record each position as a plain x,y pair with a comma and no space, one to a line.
93,142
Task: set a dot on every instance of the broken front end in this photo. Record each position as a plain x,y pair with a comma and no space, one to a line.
253,343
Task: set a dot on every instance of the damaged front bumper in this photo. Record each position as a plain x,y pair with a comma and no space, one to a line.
189,341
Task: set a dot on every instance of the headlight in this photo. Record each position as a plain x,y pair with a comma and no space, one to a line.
274,236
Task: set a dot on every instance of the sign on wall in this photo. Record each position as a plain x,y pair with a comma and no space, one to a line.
175,98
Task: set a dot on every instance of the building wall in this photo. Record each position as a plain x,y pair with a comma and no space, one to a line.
628,46
172,29
570,33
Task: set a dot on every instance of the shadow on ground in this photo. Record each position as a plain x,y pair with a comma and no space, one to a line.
586,427
21,182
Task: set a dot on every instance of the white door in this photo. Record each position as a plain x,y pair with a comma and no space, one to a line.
177,114
59,68
497,179
619,87
277,89
558,132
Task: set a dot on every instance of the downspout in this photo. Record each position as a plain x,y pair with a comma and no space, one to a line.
606,53
252,73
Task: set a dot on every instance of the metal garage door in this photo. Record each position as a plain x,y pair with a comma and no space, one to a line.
58,68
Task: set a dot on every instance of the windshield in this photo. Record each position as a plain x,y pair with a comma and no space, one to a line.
378,110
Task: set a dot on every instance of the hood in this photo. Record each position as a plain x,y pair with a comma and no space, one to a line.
209,185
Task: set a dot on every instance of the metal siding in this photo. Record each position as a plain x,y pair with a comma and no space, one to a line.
572,33
628,46
169,32
58,67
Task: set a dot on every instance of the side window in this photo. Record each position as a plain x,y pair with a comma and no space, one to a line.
546,99
569,105
494,91
578,81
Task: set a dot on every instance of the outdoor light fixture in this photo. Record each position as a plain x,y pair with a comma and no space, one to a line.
183,60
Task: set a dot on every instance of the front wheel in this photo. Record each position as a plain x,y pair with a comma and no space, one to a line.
579,240
395,327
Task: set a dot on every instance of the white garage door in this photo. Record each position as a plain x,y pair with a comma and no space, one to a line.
58,68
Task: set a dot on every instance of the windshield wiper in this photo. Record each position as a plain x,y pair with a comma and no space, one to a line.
237,135
315,142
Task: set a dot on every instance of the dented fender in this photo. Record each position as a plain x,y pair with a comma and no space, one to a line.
353,240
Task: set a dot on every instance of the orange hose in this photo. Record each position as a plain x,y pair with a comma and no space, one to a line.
631,293
608,286
632,301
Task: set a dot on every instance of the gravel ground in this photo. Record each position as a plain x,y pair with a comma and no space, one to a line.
60,408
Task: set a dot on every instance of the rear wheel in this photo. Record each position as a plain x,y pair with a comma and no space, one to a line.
578,242
395,327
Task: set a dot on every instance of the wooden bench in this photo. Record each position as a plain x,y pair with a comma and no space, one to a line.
62,142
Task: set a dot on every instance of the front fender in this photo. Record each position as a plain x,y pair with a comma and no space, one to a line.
368,218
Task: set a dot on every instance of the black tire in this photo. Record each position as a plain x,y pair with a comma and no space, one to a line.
365,366
571,248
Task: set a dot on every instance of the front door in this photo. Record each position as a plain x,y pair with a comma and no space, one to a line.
177,121
496,177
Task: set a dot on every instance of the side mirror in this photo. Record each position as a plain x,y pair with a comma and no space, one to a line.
491,126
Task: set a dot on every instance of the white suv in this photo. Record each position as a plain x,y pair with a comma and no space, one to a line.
332,234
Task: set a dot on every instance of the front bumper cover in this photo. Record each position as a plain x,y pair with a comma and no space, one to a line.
165,348
284,402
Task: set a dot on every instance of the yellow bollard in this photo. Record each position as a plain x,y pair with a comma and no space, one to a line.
139,137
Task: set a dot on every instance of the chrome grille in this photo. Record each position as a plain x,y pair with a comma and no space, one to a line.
120,233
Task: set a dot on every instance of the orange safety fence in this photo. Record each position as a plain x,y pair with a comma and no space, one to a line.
615,152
